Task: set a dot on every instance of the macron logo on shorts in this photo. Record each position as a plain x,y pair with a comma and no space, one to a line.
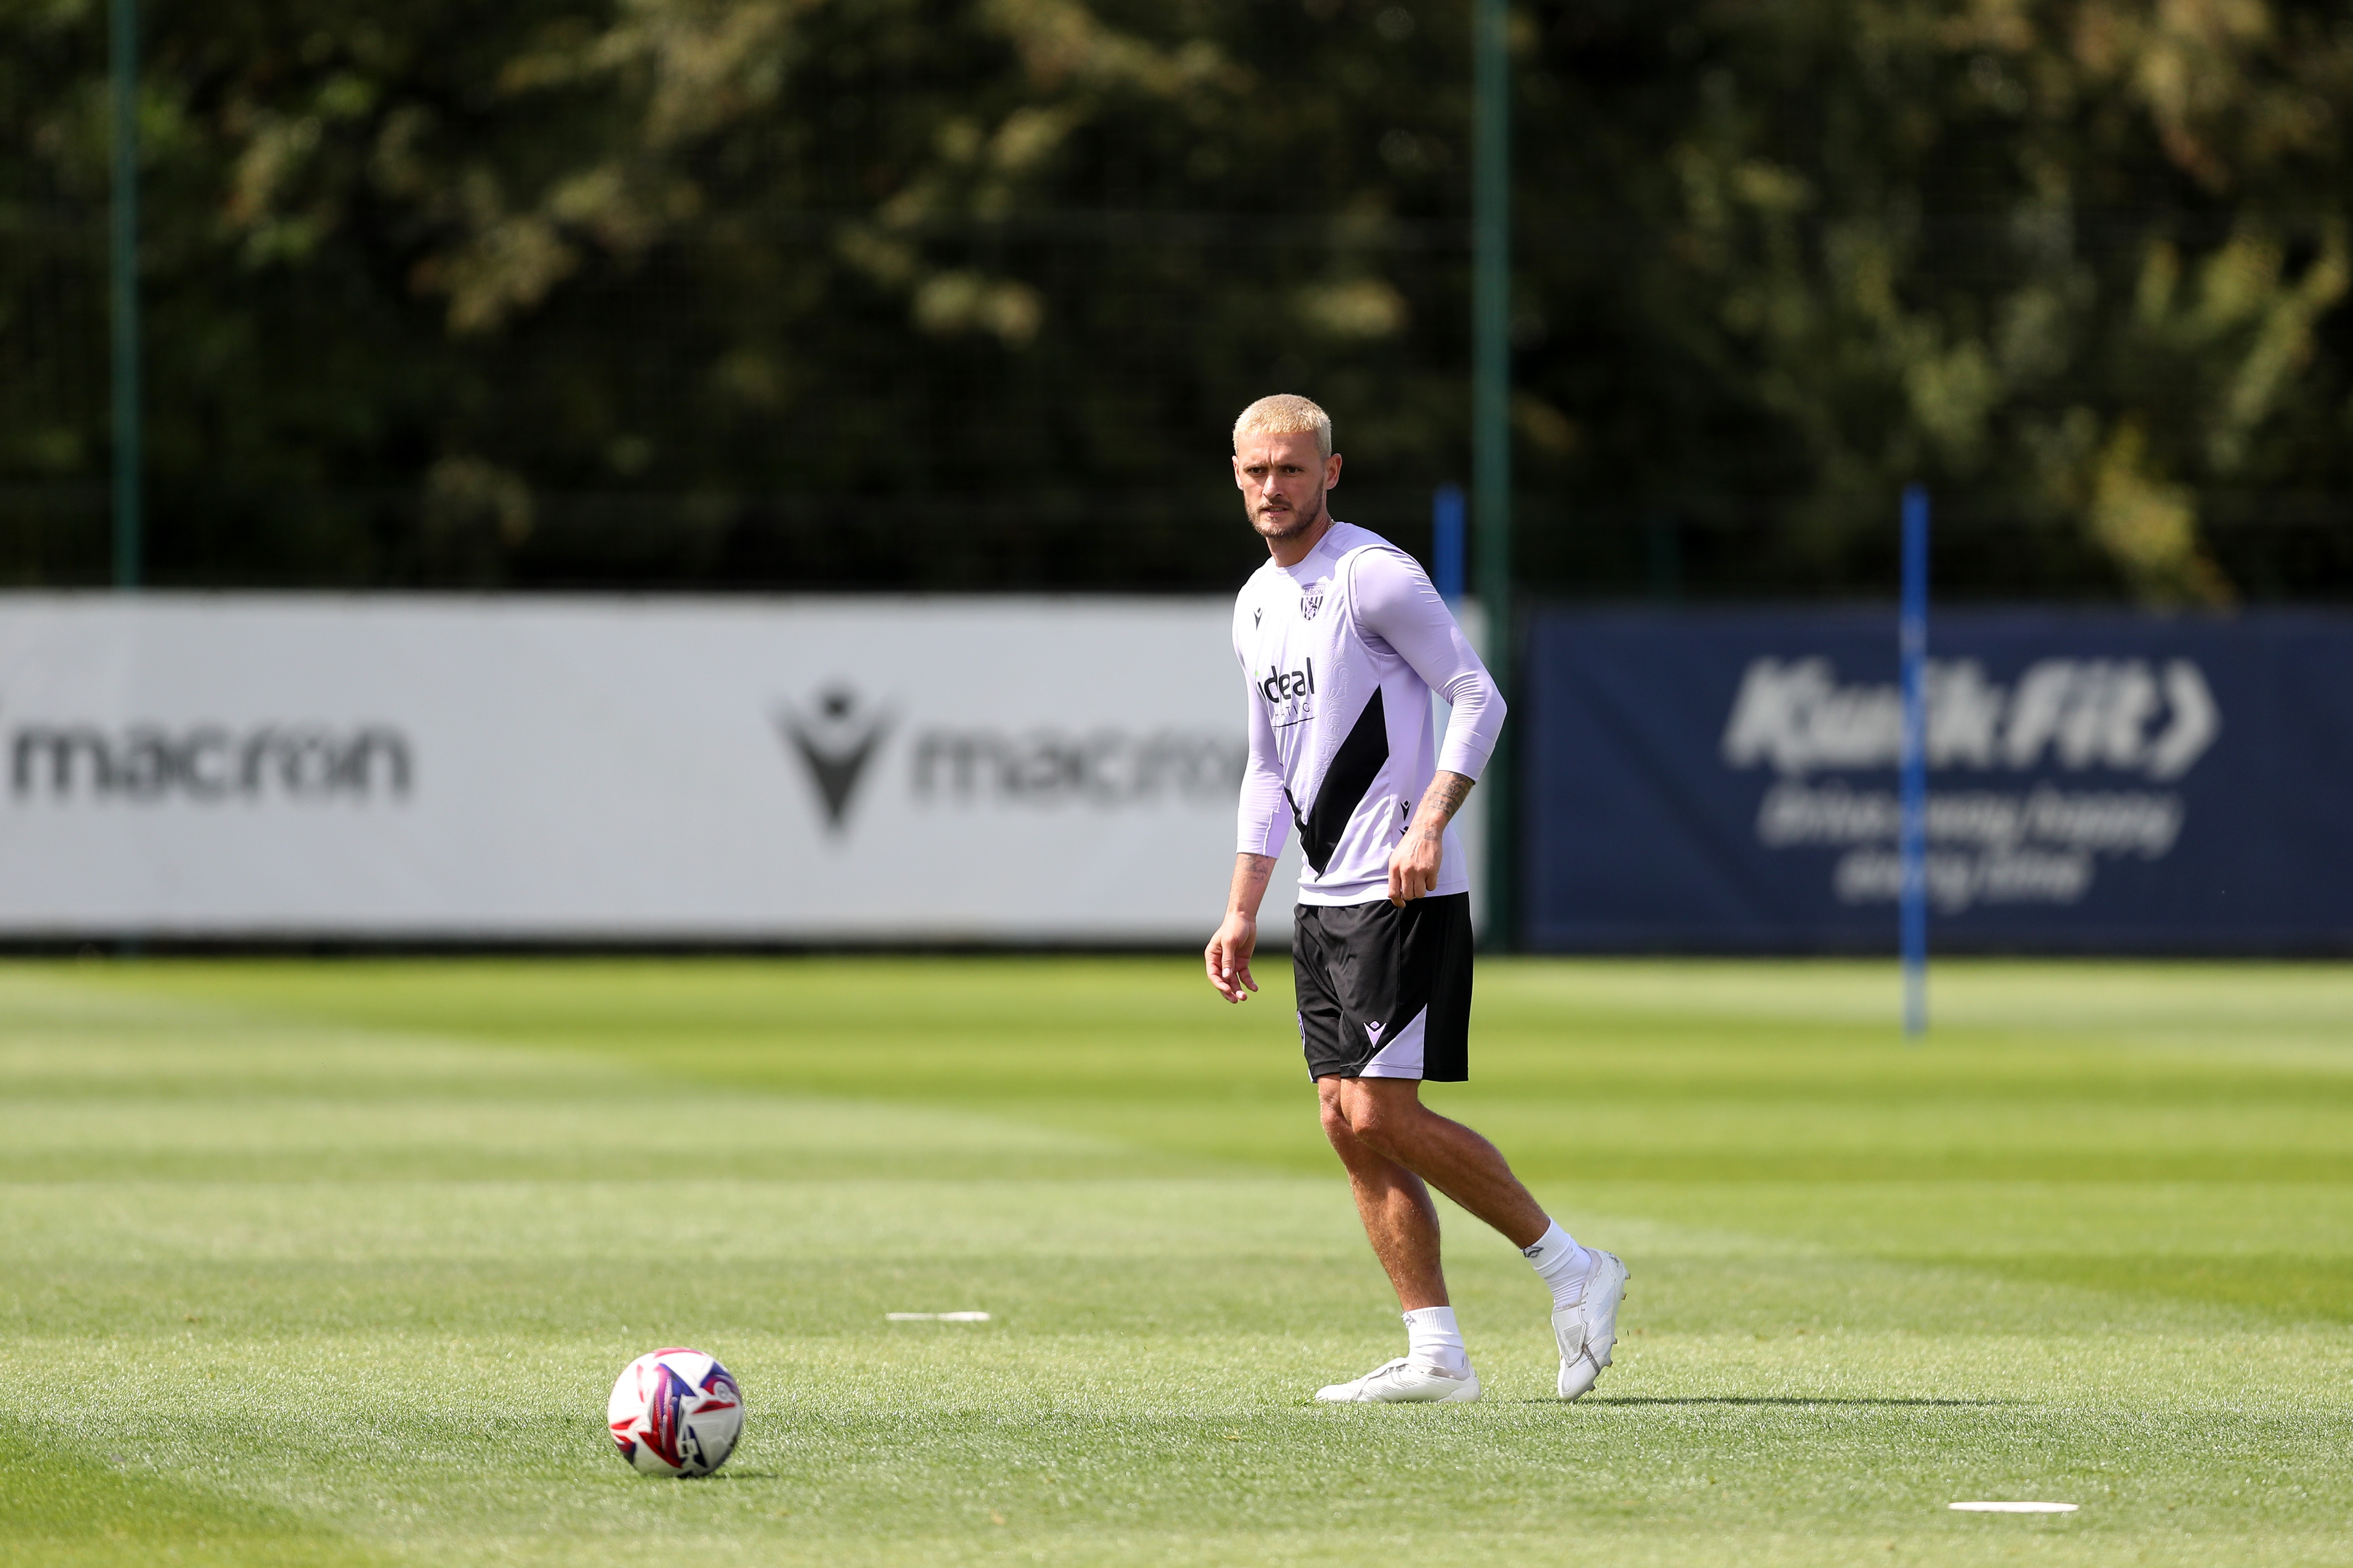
1374,1032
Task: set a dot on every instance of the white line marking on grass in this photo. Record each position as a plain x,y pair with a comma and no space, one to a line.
936,1317
2012,1507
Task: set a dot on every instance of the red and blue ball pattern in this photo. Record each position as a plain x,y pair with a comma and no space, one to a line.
675,1412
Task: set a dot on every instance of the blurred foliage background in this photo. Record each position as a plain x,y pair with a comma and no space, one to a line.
776,294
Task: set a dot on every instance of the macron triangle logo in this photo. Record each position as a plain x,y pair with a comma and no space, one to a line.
835,741
1373,1030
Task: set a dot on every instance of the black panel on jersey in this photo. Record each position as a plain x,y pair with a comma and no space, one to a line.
1354,768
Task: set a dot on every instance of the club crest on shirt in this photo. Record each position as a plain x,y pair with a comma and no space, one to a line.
1308,604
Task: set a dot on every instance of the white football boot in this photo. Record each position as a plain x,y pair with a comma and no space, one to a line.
1400,1382
1587,1328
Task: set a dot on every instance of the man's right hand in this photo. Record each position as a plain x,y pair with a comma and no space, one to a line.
1228,953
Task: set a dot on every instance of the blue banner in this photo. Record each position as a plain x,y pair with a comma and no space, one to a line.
2113,783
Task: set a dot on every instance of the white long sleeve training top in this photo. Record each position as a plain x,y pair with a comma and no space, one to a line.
1341,653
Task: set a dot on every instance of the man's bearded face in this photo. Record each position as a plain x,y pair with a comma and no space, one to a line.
1282,481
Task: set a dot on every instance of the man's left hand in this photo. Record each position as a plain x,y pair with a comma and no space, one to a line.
1413,868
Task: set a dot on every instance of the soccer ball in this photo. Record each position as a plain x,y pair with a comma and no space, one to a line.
675,1413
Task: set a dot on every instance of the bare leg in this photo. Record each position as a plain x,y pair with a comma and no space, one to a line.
1399,1219
1384,1118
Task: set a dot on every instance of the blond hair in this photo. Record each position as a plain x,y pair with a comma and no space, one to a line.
1285,413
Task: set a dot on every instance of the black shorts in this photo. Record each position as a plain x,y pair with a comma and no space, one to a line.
1384,991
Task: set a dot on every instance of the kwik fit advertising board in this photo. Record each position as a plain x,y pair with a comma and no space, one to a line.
2097,782
816,769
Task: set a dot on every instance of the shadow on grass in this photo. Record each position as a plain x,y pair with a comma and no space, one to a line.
1775,1399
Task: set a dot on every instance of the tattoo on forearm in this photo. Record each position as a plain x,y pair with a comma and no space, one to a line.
1445,797
1251,875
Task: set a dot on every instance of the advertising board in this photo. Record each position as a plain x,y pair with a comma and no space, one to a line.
2098,782
986,770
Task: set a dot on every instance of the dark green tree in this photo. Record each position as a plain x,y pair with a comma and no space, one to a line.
775,292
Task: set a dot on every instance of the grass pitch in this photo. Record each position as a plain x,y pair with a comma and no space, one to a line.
334,1264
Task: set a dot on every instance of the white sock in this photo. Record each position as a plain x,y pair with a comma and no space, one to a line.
1432,1340
1560,1263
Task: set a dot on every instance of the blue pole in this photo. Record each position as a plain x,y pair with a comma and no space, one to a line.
1447,543
1912,846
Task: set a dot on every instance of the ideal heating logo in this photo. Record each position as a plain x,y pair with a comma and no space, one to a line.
1281,686
1289,693
60,762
